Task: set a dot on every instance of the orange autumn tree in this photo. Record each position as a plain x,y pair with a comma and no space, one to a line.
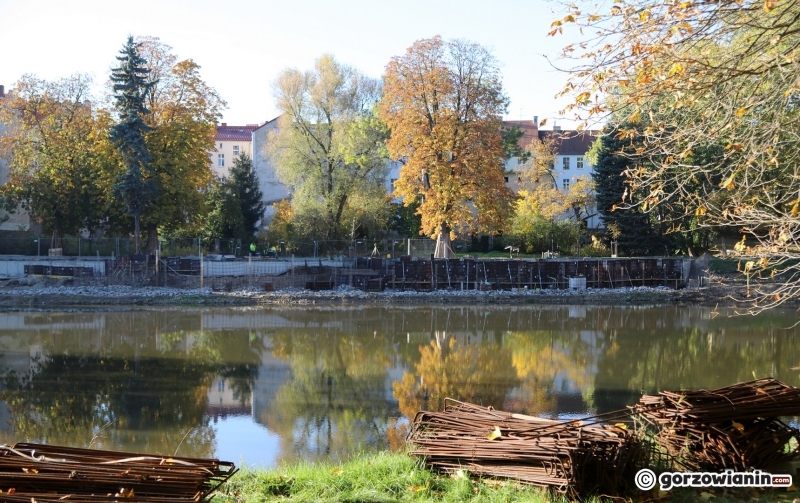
443,103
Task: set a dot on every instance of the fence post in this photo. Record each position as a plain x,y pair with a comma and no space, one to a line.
200,253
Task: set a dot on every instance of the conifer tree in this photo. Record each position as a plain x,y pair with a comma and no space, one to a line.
244,183
134,187
629,226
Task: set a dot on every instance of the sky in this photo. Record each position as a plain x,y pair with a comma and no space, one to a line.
243,45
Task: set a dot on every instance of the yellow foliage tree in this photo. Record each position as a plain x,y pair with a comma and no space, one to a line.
695,77
443,102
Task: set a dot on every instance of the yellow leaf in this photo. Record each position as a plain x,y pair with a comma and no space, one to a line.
741,112
728,183
621,426
738,426
700,211
336,471
569,18
795,210
543,122
125,493
495,434
769,5
555,23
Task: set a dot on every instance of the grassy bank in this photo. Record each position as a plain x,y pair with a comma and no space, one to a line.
393,477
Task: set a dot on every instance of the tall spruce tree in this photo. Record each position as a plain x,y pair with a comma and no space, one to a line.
244,184
135,187
630,227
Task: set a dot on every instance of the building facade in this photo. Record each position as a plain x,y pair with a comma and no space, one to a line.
571,162
229,143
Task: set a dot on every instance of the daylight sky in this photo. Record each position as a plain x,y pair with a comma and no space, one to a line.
243,45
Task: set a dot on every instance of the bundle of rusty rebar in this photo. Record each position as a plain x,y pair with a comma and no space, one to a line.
734,427
576,457
44,473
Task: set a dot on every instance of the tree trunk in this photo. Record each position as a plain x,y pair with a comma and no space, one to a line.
151,245
444,247
57,240
136,228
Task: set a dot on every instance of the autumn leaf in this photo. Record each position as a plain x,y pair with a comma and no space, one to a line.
728,183
494,434
738,427
700,211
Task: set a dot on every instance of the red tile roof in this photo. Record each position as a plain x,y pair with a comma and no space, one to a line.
572,142
234,133
528,128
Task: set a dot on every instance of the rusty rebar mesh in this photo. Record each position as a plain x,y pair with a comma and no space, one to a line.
44,473
735,427
574,457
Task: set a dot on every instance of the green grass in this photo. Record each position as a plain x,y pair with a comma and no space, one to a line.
395,477
384,477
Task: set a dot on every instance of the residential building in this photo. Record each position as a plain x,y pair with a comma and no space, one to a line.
571,162
230,142
273,190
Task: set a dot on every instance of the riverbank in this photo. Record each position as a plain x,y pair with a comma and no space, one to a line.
40,293
397,477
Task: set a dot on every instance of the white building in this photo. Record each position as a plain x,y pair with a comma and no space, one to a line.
571,161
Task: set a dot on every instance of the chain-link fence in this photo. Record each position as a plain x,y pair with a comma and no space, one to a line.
34,246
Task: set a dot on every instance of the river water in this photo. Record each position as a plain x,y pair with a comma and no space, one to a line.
264,386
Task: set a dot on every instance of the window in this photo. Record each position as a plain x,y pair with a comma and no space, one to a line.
565,160
579,163
221,160
220,145
565,183
235,150
391,181
506,178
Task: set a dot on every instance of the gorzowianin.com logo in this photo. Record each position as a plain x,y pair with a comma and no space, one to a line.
646,479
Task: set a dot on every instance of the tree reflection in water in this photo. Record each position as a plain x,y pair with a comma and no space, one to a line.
331,381
141,392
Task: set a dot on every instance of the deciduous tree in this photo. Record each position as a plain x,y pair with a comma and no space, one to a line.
329,146
543,211
443,102
50,144
705,75
182,112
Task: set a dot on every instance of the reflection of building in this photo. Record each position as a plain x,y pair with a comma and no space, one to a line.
222,401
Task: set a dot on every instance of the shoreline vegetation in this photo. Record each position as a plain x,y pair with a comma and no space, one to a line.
398,477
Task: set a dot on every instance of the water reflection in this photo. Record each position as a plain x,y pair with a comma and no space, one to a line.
272,385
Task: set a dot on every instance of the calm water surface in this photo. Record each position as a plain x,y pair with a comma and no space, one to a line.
270,385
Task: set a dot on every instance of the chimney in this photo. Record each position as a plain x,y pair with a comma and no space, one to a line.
2,91
224,124
536,120
556,128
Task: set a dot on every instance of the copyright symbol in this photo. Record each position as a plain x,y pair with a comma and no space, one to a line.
645,479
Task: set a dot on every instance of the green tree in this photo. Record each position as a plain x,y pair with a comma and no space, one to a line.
630,227
224,219
182,112
51,145
135,187
443,102
244,183
329,146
